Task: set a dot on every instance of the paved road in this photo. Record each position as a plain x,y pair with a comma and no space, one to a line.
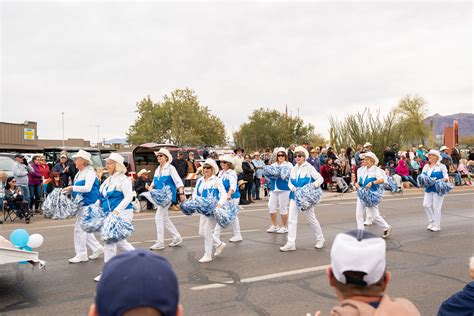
427,267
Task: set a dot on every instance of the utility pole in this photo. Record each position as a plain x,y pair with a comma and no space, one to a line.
62,113
98,136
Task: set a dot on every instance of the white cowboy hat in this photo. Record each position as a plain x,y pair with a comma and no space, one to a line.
373,156
227,158
367,145
165,152
143,171
84,155
118,159
213,164
303,150
436,153
280,149
443,148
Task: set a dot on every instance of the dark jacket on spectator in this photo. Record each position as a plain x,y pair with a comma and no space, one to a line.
249,170
181,167
140,185
63,172
327,172
35,177
51,186
455,155
460,304
314,162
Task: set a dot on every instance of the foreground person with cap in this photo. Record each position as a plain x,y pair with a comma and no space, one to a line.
137,282
210,186
370,178
116,195
229,180
301,174
86,184
432,202
166,175
279,195
359,278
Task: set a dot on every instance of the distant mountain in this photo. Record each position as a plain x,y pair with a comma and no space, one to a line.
465,120
122,141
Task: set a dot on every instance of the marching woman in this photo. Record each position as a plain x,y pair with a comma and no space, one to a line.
302,173
370,177
166,175
210,186
86,184
279,195
229,180
116,196
432,202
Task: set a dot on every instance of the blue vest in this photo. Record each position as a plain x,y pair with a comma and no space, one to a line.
374,187
88,197
165,180
112,200
226,183
208,192
300,182
438,174
280,183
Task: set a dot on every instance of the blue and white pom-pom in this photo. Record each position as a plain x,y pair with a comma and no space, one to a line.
162,197
58,206
285,172
227,214
370,198
188,207
307,196
92,218
442,187
271,172
391,185
425,181
115,229
201,205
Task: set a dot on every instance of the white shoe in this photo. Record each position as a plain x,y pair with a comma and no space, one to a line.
282,230
205,259
220,248
319,244
96,254
157,246
273,229
430,225
176,241
368,222
287,247
387,232
79,258
435,228
236,238
97,278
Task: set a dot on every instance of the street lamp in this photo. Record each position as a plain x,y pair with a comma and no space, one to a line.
98,137
62,113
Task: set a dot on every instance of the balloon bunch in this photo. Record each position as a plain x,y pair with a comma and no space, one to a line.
285,172
227,214
425,181
307,196
370,198
58,206
92,218
115,229
21,239
271,172
201,205
442,187
162,197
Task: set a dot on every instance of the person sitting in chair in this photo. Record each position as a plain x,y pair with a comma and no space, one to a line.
14,199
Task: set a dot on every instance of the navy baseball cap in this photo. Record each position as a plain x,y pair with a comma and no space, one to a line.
137,278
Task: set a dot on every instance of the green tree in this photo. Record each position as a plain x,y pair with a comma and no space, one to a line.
269,129
177,119
411,114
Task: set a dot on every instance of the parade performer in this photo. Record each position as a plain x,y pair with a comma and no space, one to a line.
210,186
229,180
371,178
166,175
279,195
85,184
116,195
301,174
433,201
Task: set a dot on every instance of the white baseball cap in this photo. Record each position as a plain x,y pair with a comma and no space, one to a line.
358,251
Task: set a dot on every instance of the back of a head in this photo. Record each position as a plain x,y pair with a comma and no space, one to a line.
137,282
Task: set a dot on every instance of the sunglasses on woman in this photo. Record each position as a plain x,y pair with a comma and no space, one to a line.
281,155
206,167
300,155
160,155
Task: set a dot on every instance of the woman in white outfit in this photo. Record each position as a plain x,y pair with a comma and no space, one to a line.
116,195
301,174
229,180
370,177
432,202
279,195
86,184
210,186
166,175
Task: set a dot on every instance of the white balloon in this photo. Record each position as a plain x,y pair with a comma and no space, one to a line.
35,241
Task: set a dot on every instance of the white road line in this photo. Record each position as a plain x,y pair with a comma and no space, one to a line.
261,278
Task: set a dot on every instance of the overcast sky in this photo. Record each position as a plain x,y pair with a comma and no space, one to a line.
94,60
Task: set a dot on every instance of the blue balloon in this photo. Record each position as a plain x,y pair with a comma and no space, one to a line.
19,237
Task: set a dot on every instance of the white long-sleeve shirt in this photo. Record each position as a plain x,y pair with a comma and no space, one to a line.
168,170
118,182
88,174
302,172
212,183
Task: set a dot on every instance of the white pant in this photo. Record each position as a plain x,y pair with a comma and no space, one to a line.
432,204
162,220
235,226
293,223
278,198
206,225
341,183
398,180
374,213
81,238
110,250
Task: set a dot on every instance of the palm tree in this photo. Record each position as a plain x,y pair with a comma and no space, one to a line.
412,114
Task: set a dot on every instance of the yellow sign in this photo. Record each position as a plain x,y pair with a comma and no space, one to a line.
29,134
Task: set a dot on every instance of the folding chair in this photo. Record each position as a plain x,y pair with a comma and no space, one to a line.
8,213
